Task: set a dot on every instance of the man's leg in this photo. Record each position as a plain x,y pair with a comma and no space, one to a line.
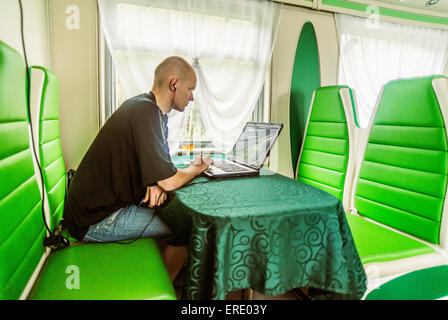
133,222
129,222
175,258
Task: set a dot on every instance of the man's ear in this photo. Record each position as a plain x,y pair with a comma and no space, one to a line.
172,84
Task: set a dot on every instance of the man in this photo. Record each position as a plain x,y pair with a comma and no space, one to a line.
129,164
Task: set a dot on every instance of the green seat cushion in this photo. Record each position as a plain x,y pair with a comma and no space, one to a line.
403,177
106,271
67,235
324,157
22,230
425,284
378,244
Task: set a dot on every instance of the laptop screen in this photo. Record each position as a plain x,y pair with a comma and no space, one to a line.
254,143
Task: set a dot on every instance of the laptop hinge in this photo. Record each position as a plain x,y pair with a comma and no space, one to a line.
245,164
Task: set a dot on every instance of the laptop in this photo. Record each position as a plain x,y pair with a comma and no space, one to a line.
249,152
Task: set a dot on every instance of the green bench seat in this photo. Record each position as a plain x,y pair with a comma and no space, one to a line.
326,158
399,194
376,243
105,271
392,175
425,284
84,270
21,232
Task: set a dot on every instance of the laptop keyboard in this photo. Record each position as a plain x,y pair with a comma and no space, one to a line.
229,167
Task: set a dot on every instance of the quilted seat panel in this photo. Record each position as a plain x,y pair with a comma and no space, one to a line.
324,157
403,177
21,232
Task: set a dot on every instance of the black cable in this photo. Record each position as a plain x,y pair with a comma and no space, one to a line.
141,233
58,238
198,182
155,212
29,113
144,205
52,238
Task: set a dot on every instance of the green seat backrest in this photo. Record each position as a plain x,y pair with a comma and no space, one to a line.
324,158
21,231
403,176
45,120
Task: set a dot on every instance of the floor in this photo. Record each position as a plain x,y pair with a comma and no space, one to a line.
239,294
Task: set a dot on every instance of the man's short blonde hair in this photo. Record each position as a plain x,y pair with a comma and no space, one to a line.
173,66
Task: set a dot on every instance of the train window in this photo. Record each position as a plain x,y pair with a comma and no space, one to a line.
194,130
374,52
139,43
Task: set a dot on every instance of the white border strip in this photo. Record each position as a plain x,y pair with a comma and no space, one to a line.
361,150
440,86
32,280
296,173
300,3
348,105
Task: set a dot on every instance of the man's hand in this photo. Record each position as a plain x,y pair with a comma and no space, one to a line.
155,195
182,176
201,163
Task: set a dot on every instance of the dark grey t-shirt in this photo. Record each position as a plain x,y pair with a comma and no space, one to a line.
128,154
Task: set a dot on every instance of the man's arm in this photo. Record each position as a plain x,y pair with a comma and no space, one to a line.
156,195
182,176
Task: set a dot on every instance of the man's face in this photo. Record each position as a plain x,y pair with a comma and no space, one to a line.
184,92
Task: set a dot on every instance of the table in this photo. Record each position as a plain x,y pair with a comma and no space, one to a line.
269,233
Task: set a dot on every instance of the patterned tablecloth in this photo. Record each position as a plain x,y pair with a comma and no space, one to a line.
269,233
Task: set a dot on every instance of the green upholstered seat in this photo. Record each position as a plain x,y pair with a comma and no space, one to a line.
21,231
402,180
425,284
105,271
403,177
376,243
325,154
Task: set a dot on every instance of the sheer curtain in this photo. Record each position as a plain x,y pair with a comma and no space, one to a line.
228,42
375,52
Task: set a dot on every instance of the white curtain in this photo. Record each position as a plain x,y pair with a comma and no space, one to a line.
373,52
228,42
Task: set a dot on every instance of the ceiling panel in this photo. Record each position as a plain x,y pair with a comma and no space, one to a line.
441,6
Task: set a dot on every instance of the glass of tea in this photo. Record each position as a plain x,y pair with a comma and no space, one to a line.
188,146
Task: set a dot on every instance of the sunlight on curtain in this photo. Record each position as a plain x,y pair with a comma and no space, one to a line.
375,52
228,42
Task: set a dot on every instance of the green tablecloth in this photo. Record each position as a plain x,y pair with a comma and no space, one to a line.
269,233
